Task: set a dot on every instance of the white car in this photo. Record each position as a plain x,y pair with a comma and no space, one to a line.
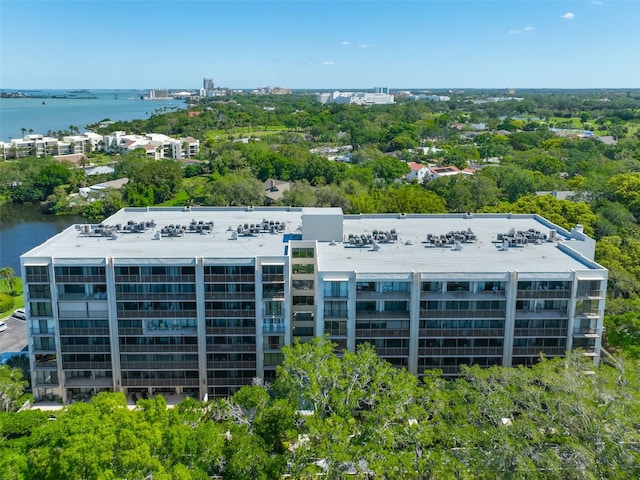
3,326
20,314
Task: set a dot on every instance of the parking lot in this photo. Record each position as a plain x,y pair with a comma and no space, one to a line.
14,338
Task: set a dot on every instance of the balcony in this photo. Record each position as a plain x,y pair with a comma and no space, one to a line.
155,279
542,313
463,314
231,348
83,296
81,279
273,278
586,332
536,351
230,296
544,294
85,349
380,315
385,295
392,352
47,365
226,279
39,295
273,328
144,348
148,366
160,382
85,381
589,294
79,332
86,365
540,332
461,332
231,330
382,333
239,313
42,331
157,297
44,349
460,351
72,315
36,278
229,365
157,314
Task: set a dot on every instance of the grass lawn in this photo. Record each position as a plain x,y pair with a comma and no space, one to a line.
18,298
218,135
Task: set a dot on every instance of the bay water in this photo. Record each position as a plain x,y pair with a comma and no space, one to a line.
46,110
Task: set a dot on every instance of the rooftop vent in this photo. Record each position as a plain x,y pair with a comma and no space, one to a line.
450,239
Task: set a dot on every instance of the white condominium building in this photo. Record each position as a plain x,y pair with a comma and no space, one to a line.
200,301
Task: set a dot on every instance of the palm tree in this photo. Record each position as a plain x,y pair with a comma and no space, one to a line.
7,274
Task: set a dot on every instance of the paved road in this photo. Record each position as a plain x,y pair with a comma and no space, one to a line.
14,338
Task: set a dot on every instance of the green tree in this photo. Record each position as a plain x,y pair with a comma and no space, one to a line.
12,387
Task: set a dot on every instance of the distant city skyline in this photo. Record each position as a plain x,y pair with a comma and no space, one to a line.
320,44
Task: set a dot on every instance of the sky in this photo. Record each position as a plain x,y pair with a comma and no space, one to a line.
347,44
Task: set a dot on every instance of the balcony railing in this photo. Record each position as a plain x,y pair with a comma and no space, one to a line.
231,348
537,350
82,296
157,313
594,294
224,313
35,278
155,278
220,278
544,294
149,366
374,314
272,278
461,332
38,295
391,351
93,331
270,328
71,315
47,365
164,297
230,296
231,330
368,295
436,314
158,348
81,278
460,351
160,382
540,332
85,349
228,365
86,365
381,333
42,331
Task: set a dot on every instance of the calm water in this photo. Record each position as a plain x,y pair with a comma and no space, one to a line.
59,113
23,227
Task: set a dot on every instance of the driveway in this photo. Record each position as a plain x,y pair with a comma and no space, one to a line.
14,338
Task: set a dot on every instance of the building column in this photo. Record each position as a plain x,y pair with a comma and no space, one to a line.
201,329
571,311
351,312
511,293
112,312
414,325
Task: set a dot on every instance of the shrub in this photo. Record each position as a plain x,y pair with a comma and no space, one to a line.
6,302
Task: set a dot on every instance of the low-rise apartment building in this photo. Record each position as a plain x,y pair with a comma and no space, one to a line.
200,301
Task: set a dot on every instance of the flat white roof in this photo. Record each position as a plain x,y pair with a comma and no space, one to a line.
408,253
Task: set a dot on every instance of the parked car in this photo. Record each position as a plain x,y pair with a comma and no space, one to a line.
3,326
20,314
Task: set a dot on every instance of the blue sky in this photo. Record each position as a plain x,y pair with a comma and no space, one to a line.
320,44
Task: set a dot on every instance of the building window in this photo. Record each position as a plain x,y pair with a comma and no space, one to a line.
303,300
302,252
41,309
302,268
335,309
302,284
336,289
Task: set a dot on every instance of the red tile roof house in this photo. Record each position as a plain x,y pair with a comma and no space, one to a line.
417,171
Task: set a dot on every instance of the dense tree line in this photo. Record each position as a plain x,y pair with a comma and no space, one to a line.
350,416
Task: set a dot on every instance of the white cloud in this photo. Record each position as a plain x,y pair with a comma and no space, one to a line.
596,2
569,16
328,62
365,45
525,29
345,43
